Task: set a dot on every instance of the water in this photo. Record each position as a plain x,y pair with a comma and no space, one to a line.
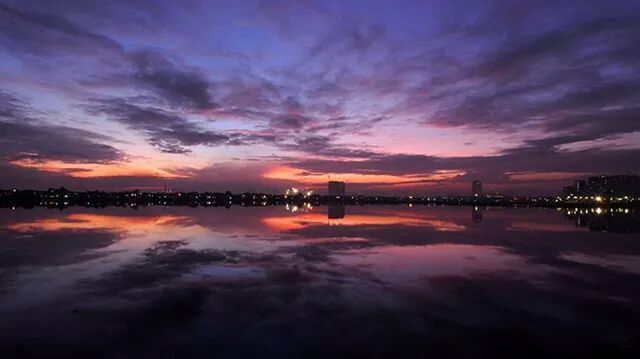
375,281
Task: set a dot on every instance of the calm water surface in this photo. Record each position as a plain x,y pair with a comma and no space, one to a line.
377,281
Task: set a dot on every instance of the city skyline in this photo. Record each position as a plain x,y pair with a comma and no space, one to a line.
392,98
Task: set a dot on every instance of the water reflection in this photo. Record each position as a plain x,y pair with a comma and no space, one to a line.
274,281
620,220
335,211
476,214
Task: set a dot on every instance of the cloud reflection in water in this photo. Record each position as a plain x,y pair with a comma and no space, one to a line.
389,280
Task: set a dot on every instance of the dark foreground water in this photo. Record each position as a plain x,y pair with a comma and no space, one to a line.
385,281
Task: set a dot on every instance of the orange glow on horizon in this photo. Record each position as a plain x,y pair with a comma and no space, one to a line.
286,223
294,174
88,170
96,221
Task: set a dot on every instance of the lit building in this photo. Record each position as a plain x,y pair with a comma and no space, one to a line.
336,188
476,188
621,185
607,186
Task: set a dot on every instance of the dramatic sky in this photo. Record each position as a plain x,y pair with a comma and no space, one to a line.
390,96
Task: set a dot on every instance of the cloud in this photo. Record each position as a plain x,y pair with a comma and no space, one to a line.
494,170
560,78
25,137
178,87
166,131
288,122
346,40
319,145
39,142
32,33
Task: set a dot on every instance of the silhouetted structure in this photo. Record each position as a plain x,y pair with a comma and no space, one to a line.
568,191
605,186
335,211
63,198
623,185
336,188
615,220
477,214
476,188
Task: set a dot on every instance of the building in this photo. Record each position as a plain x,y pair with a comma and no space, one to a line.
476,188
608,186
580,186
336,188
568,191
621,185
497,196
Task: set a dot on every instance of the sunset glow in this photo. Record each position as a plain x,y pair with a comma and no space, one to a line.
80,221
285,223
319,178
288,173
79,170
258,96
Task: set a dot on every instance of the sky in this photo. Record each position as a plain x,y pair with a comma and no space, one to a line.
392,97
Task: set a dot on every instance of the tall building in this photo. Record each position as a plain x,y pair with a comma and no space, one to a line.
336,188
476,188
580,186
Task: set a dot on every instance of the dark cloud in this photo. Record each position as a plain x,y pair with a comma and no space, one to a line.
519,57
32,36
161,263
535,157
53,22
166,131
11,106
42,142
562,78
348,39
325,146
288,122
49,34
63,247
24,137
177,86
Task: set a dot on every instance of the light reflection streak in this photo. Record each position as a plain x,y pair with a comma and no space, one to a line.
77,221
287,223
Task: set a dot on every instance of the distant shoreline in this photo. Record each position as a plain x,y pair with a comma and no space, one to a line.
62,198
